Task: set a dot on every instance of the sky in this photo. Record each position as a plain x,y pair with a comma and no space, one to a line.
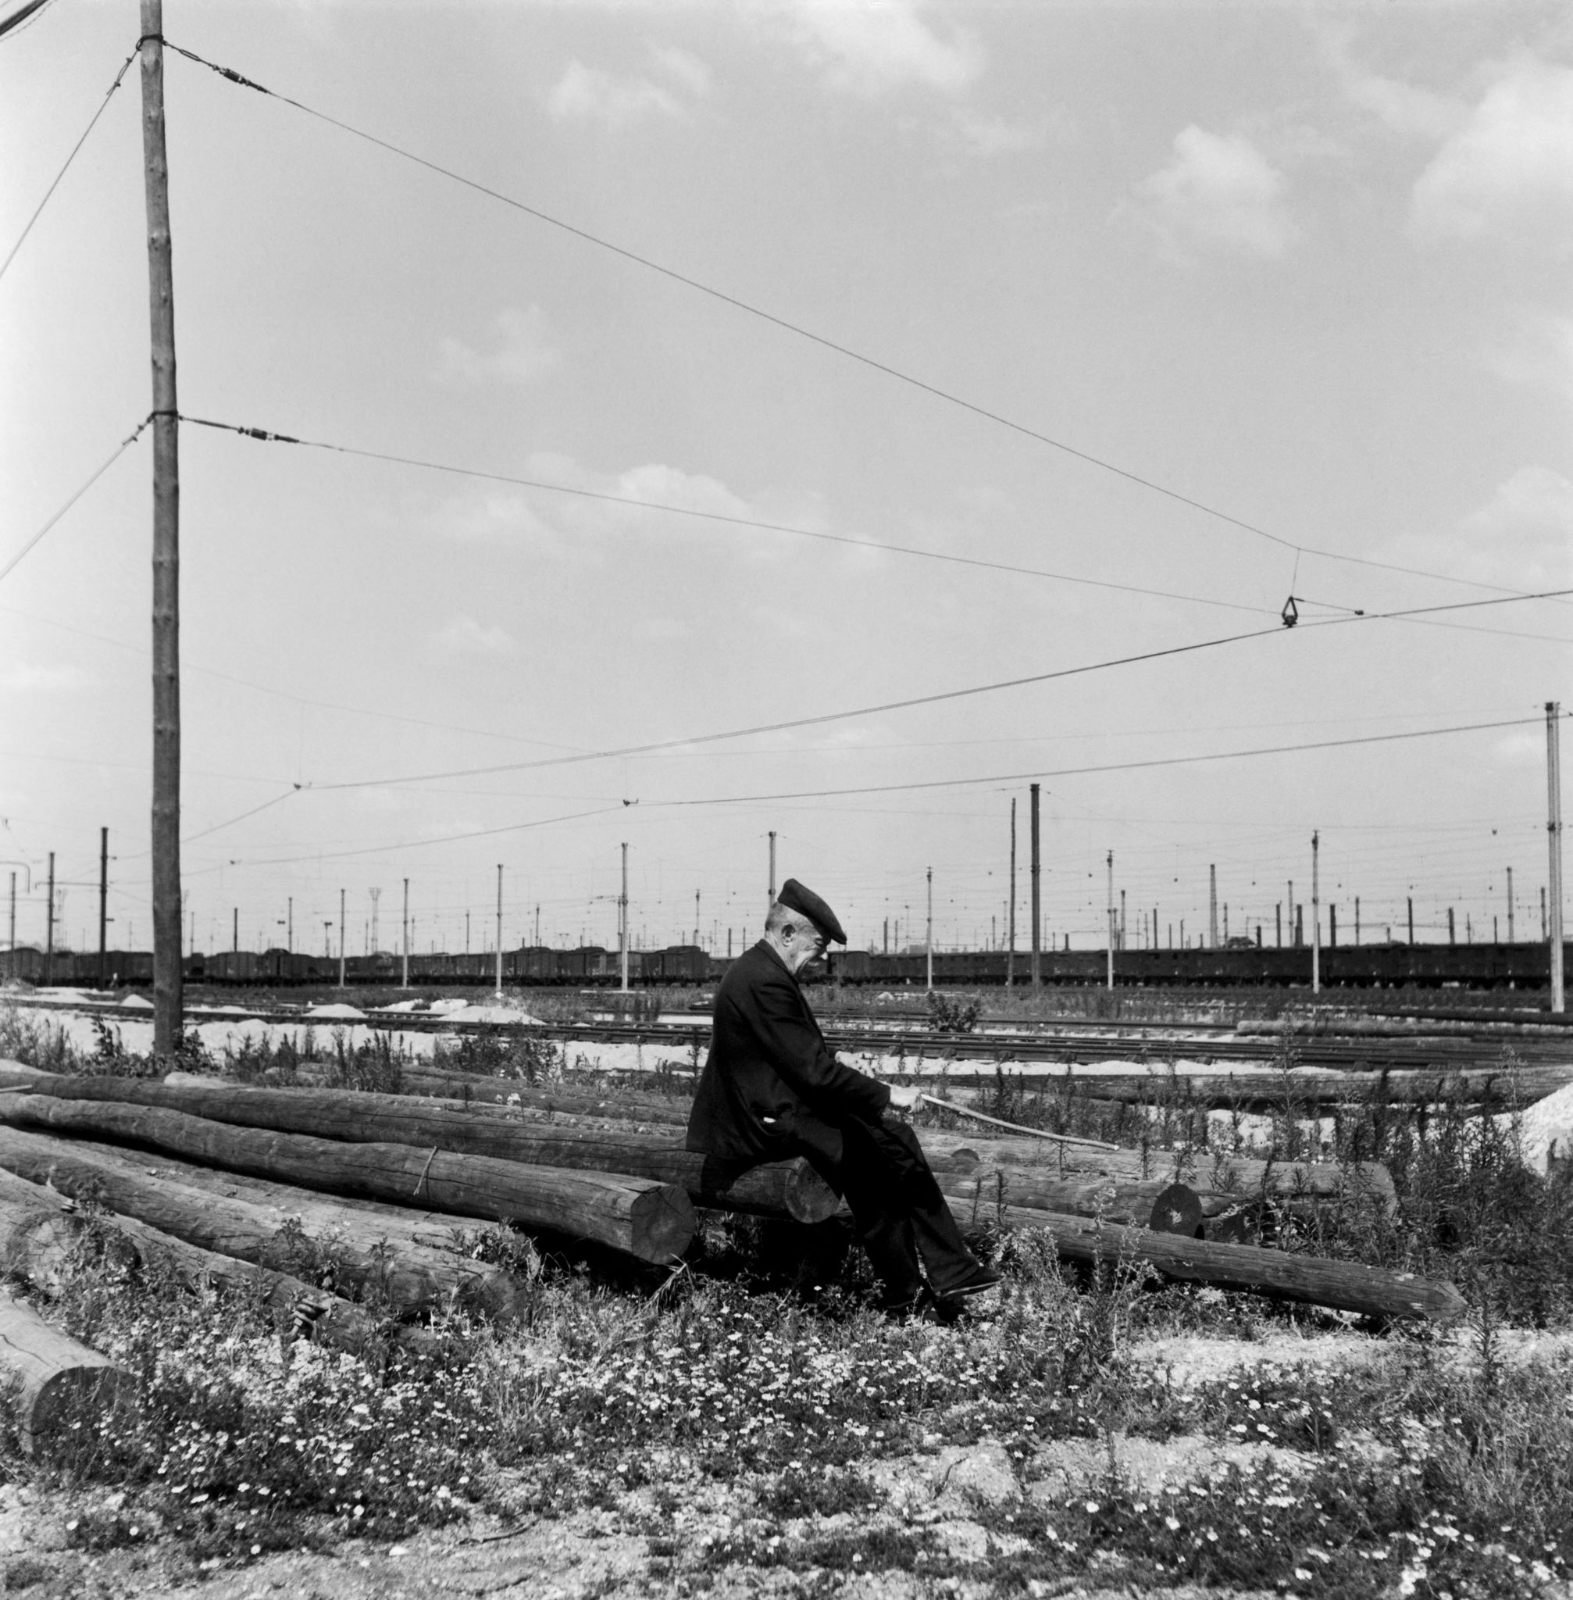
1041,336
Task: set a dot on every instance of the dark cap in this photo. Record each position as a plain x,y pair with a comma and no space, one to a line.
796,898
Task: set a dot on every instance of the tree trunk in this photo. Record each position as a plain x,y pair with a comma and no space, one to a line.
649,1221
38,1232
57,1381
412,1277
786,1188
1342,1285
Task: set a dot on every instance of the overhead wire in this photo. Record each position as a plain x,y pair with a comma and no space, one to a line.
92,123
270,437
125,444
1108,766
798,330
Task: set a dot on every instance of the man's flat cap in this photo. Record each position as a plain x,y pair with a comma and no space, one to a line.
796,898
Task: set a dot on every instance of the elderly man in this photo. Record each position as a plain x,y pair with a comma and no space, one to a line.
771,1090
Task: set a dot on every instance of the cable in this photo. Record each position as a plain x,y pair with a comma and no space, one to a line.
718,516
930,699
125,444
808,722
819,339
1114,766
70,158
411,844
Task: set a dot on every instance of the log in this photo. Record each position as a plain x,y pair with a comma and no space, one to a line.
1203,1171
1314,1280
786,1188
412,1277
57,1381
467,1087
40,1227
1169,1207
648,1220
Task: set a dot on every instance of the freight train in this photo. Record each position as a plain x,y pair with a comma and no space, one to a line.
1465,966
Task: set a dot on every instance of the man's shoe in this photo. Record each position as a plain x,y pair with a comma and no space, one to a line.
924,1306
979,1281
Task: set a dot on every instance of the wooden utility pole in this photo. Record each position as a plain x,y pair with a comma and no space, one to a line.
928,940
499,930
772,899
404,978
622,911
1316,915
1111,921
1010,948
1554,835
103,906
1037,918
49,926
166,549
341,938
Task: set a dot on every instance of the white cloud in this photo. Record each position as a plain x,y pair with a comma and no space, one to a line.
28,678
870,46
521,355
587,94
688,69
1507,174
988,137
1537,353
1218,190
1521,538
464,636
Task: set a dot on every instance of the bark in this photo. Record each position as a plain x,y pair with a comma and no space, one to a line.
1169,1207
1341,1285
787,1188
359,1252
57,1381
648,1220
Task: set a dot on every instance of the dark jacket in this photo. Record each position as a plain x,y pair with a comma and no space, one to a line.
770,1086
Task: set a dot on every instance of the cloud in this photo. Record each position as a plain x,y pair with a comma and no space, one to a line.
1521,538
521,355
587,94
872,46
1537,353
990,137
1507,174
1218,191
464,636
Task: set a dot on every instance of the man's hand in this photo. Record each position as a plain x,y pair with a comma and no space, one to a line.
905,1096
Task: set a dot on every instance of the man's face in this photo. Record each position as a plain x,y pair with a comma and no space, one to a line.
804,944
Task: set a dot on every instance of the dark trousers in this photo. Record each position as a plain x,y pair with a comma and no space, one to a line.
897,1208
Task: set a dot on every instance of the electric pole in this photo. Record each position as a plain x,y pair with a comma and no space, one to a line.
341,938
103,906
622,909
1212,906
1554,836
49,926
499,930
928,941
1010,948
1110,957
772,867
1510,905
1037,919
166,547
404,981
1316,916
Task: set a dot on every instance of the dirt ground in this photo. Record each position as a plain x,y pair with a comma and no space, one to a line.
637,1549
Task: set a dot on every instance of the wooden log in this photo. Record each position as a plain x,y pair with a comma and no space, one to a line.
648,1220
785,1188
40,1228
1314,1280
411,1278
622,1104
57,1381
1202,1170
1170,1207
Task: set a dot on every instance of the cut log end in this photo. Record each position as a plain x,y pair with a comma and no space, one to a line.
661,1224
1178,1209
67,1404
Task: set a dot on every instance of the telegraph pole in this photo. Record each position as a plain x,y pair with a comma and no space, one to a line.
1111,921
1010,949
622,907
1037,917
772,867
404,981
1554,836
166,548
341,938
49,926
103,906
499,930
1510,905
928,941
376,894
1212,906
1316,916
